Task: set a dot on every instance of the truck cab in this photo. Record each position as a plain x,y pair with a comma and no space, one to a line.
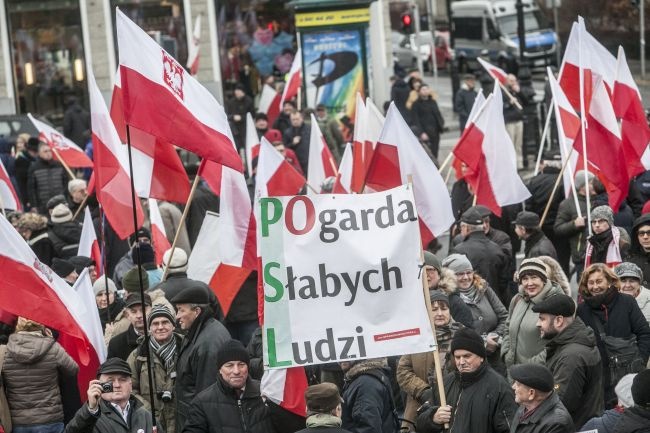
488,28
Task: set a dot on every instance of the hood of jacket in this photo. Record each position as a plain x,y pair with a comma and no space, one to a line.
556,274
363,367
29,347
550,288
577,333
634,238
447,283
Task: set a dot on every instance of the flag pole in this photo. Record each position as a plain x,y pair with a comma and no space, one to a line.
102,222
80,208
557,183
181,223
139,264
583,117
541,142
67,168
447,160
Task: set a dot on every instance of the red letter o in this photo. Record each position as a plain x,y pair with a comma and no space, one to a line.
310,215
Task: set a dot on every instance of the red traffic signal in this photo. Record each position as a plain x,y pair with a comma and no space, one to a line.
406,20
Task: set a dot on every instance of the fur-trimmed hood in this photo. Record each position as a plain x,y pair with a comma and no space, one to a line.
447,283
556,274
362,367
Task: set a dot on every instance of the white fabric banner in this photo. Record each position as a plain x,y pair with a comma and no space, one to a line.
342,278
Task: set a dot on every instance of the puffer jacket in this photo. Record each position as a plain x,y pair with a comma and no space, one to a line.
45,179
107,420
549,416
30,374
459,311
368,405
65,238
574,360
522,342
163,381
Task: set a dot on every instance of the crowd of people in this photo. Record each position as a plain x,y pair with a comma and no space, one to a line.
520,350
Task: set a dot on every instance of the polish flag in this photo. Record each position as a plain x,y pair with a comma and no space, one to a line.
275,176
368,125
252,143
194,47
568,126
286,387
112,180
162,99
32,290
584,51
270,103
8,197
343,184
399,155
71,154
321,163
160,173
88,245
488,152
628,106
604,145
477,107
495,72
294,80
158,236
210,172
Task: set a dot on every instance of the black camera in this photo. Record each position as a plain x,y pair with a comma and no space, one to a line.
165,396
106,387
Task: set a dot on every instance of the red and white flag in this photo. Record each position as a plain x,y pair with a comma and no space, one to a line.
477,107
495,72
487,150
287,388
628,107
275,176
368,125
584,51
161,98
270,103
158,236
8,197
252,143
343,184
194,47
71,154
604,145
321,162
160,173
88,244
397,156
113,183
32,290
294,80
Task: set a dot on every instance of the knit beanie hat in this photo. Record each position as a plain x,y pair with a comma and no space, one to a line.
628,269
580,178
641,389
100,286
54,201
457,263
131,282
160,310
61,214
147,254
62,267
432,260
533,266
178,263
468,339
232,350
603,213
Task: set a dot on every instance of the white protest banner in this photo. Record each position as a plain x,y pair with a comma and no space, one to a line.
342,278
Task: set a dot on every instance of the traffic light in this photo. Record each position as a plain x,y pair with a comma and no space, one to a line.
407,22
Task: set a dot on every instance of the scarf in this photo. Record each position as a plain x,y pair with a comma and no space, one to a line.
319,420
165,351
469,296
602,301
603,248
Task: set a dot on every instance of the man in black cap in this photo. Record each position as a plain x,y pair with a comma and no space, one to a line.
444,280
111,407
540,409
64,269
636,419
479,400
232,403
487,258
82,262
572,357
125,264
197,367
323,409
537,244
121,345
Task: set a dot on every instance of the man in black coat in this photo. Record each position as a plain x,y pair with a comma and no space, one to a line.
368,403
572,357
323,409
232,404
196,366
464,100
23,160
537,244
428,119
236,108
297,137
639,252
121,345
479,400
45,179
540,409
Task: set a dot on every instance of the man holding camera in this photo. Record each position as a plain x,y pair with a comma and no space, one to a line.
111,407
163,346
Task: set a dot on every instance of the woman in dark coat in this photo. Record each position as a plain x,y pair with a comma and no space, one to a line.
427,117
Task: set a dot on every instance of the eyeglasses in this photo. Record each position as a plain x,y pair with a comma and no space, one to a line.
643,232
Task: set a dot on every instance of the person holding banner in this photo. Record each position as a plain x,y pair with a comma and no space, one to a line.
481,400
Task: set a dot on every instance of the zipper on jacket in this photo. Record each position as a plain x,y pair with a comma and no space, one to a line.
241,415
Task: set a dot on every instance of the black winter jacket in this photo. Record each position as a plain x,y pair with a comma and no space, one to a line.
574,360
565,227
540,188
481,401
302,148
634,420
427,117
42,246
176,282
549,417
636,254
217,409
196,367
65,238
45,179
107,420
539,245
368,406
121,345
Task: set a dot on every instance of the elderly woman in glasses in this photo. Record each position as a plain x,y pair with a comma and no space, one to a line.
488,312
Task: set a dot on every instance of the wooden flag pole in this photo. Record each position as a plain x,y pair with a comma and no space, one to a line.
65,166
81,207
557,183
446,161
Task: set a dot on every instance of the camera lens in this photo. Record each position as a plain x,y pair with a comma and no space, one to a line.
107,387
166,396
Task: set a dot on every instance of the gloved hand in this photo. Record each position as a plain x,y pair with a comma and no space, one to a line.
426,395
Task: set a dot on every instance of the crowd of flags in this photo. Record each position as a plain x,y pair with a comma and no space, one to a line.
164,106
